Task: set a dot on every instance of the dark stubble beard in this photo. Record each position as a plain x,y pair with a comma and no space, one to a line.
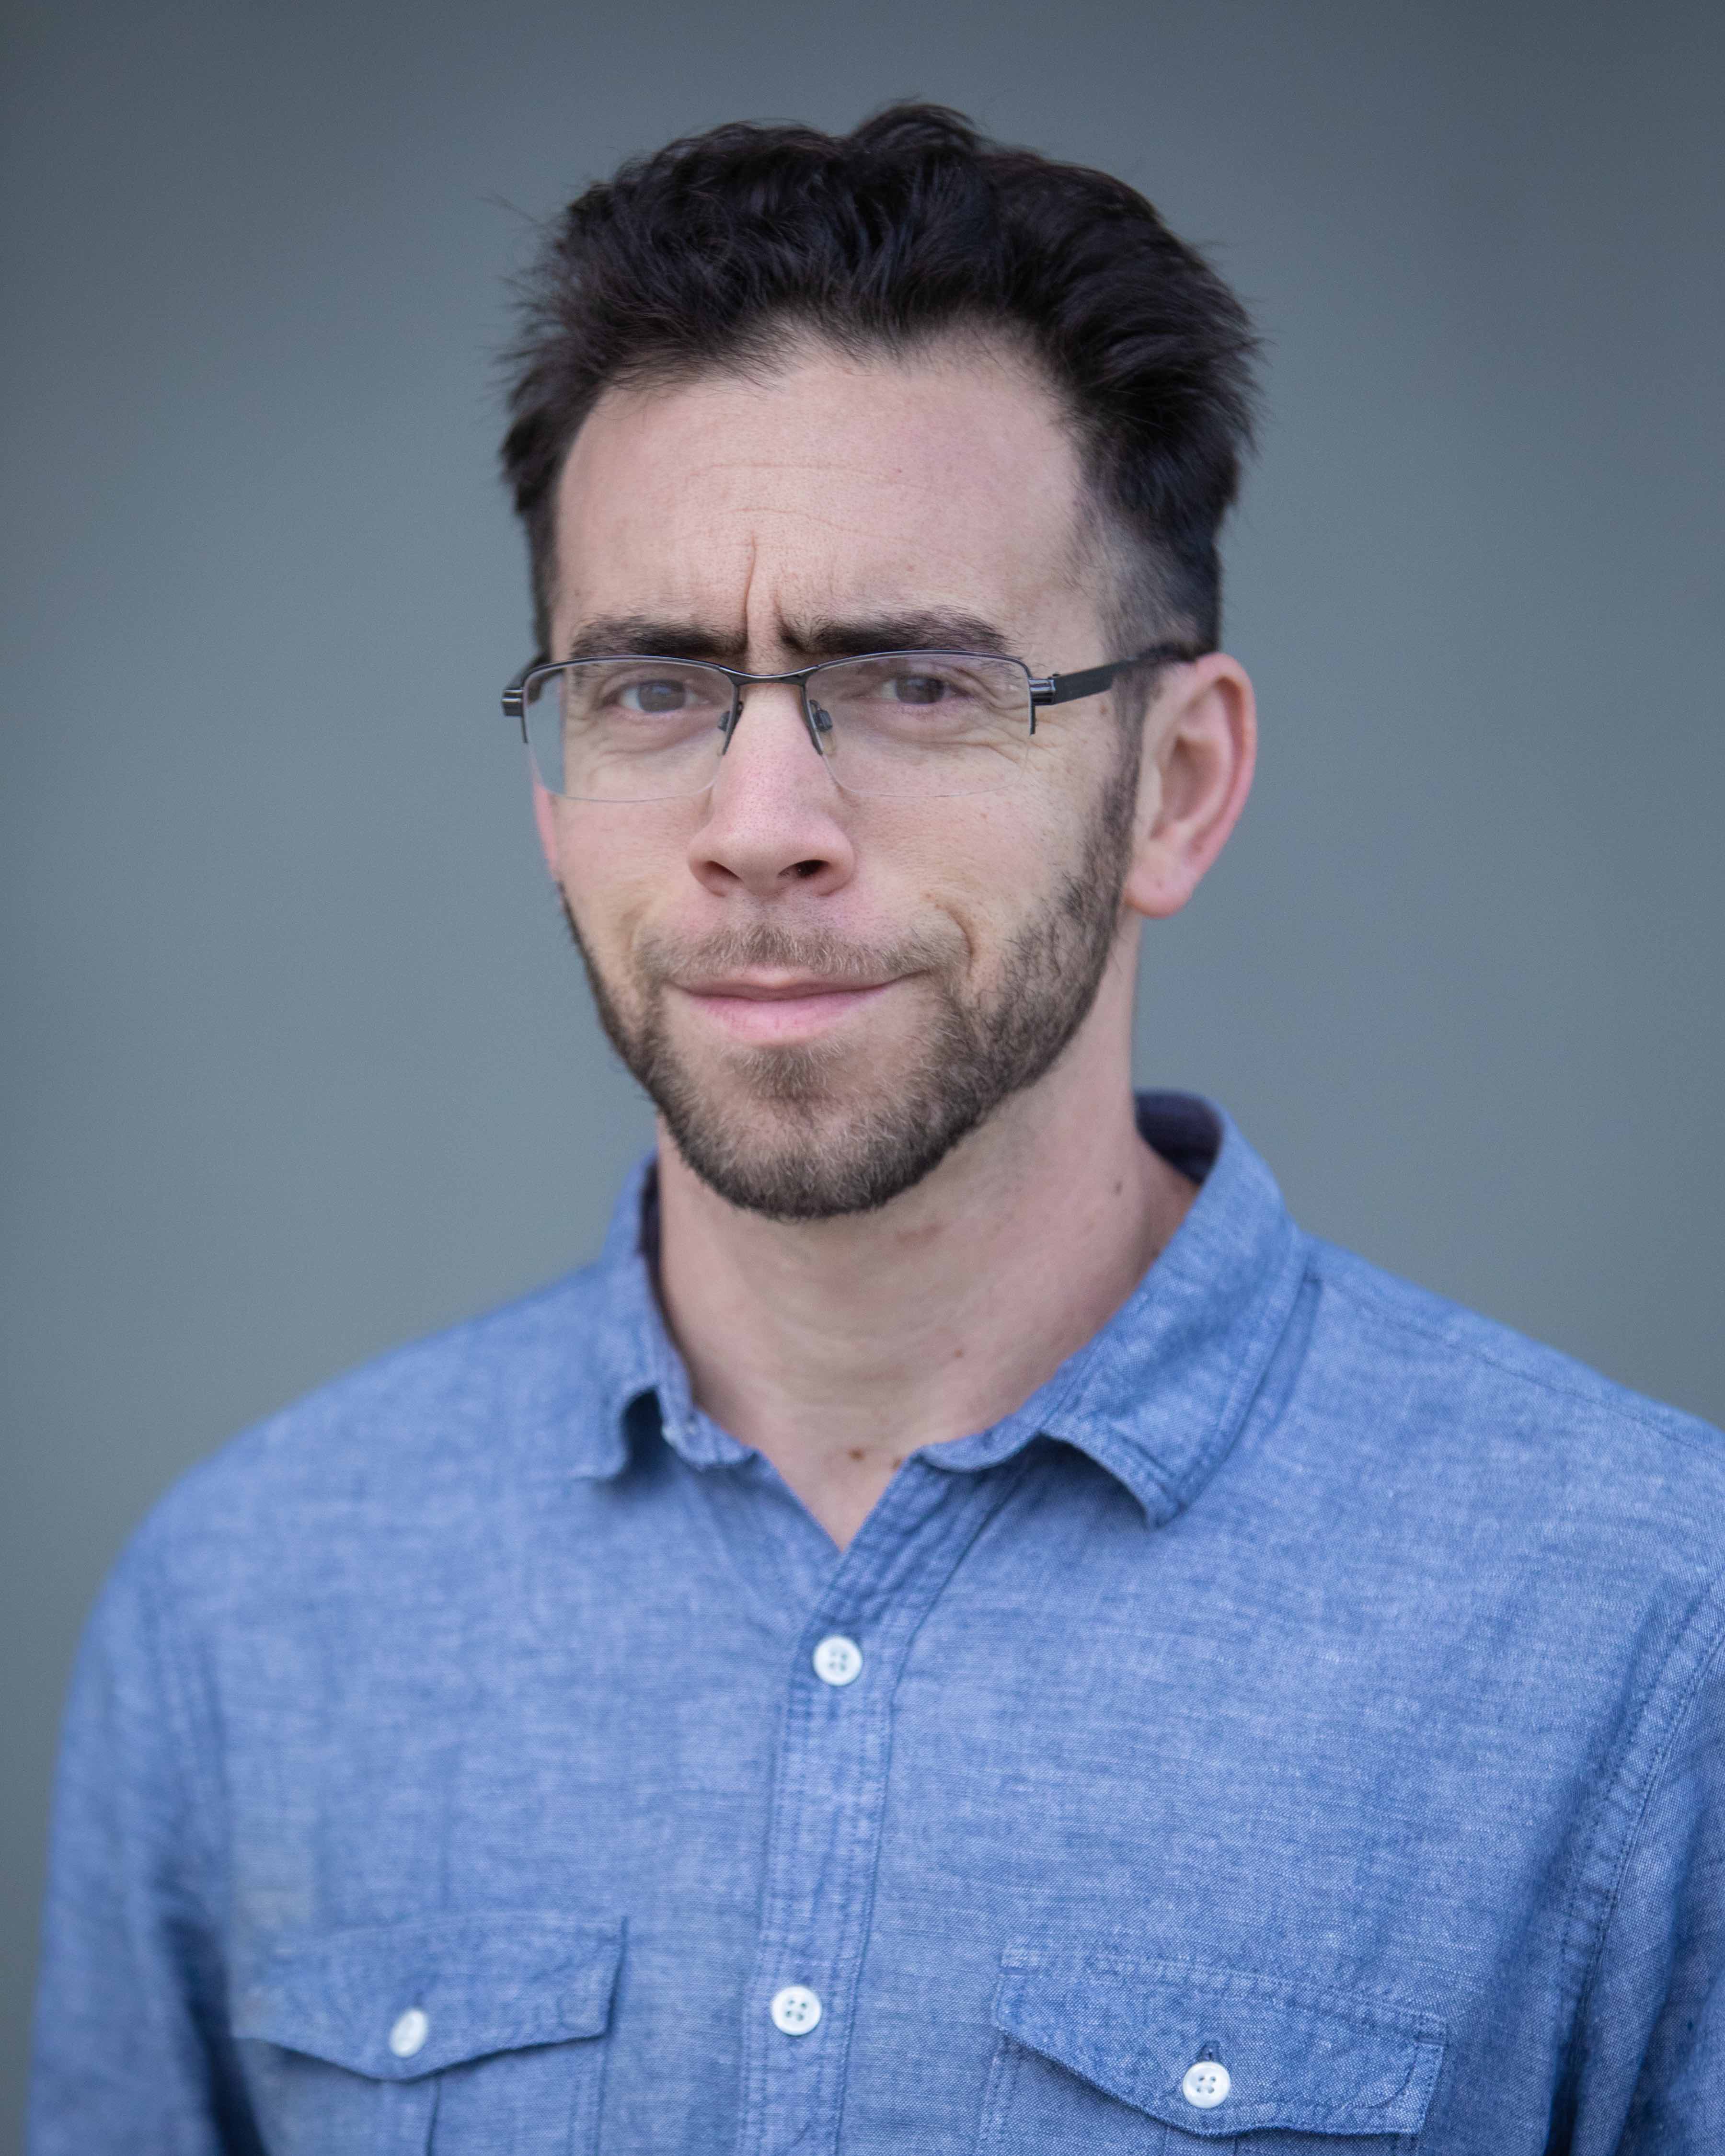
804,1146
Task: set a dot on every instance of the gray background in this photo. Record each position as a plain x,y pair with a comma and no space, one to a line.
295,1062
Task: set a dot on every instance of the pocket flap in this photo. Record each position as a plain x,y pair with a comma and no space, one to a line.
394,2001
1297,2056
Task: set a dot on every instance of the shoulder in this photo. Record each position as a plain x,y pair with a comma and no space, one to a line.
408,1442
1423,1336
1500,1418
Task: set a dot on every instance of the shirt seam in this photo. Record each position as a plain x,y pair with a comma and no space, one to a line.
1624,1404
1674,1695
197,1760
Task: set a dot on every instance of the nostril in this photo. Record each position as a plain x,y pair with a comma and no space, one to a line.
807,869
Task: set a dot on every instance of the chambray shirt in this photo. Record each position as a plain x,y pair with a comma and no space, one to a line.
1296,1730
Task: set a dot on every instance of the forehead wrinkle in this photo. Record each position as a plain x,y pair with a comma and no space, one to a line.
891,524
751,562
921,477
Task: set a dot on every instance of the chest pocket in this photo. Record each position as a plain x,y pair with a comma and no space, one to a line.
1120,2056
471,2036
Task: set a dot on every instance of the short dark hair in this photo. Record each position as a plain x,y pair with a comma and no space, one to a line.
911,227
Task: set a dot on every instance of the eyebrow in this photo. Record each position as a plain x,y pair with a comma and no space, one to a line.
613,632
849,637
815,639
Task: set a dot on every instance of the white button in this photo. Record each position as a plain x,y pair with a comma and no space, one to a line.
838,1660
410,2031
1205,2084
795,2009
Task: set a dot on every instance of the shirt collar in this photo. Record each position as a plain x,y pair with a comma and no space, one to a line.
1159,1394
1156,1397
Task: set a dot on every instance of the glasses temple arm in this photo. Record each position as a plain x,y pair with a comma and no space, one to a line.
1068,688
514,696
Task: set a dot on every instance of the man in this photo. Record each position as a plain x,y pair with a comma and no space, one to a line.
965,1629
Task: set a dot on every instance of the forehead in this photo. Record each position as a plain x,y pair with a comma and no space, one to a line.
829,485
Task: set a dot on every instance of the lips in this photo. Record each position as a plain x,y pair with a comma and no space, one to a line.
778,987
778,1009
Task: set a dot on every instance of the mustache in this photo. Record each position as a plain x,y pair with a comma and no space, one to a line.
766,945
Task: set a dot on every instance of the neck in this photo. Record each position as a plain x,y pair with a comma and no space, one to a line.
836,1347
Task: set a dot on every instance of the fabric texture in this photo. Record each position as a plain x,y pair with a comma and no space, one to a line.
1313,1686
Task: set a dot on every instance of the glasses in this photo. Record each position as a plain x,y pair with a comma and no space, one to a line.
931,725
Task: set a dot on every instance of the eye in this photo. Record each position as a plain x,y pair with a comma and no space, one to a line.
918,688
655,696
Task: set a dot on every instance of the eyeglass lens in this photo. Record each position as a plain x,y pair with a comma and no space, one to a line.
931,725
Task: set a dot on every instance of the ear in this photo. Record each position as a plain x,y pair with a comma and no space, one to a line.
1200,745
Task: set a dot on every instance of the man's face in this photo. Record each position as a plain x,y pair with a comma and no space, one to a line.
823,992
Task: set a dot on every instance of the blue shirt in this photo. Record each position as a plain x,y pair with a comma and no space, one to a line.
1297,1730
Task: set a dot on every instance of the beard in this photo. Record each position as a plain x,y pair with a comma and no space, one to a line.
806,1141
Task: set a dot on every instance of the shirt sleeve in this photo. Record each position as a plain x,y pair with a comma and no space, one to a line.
131,2051
1651,2047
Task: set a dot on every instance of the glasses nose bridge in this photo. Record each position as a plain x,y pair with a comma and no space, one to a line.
795,686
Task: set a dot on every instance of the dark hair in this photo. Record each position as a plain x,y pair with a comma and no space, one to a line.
911,226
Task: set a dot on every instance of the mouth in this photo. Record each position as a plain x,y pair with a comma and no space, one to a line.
775,1008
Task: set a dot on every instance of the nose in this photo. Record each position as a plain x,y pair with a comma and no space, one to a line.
775,818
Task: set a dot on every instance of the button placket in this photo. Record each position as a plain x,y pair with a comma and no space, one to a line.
829,1800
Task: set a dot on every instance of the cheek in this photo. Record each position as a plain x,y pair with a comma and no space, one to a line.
610,867
988,863
545,822
1023,838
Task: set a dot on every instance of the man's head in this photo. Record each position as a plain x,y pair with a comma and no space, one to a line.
787,397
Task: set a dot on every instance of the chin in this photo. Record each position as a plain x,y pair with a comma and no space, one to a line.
800,1143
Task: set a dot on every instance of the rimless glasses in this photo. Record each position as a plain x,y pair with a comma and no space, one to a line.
905,724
